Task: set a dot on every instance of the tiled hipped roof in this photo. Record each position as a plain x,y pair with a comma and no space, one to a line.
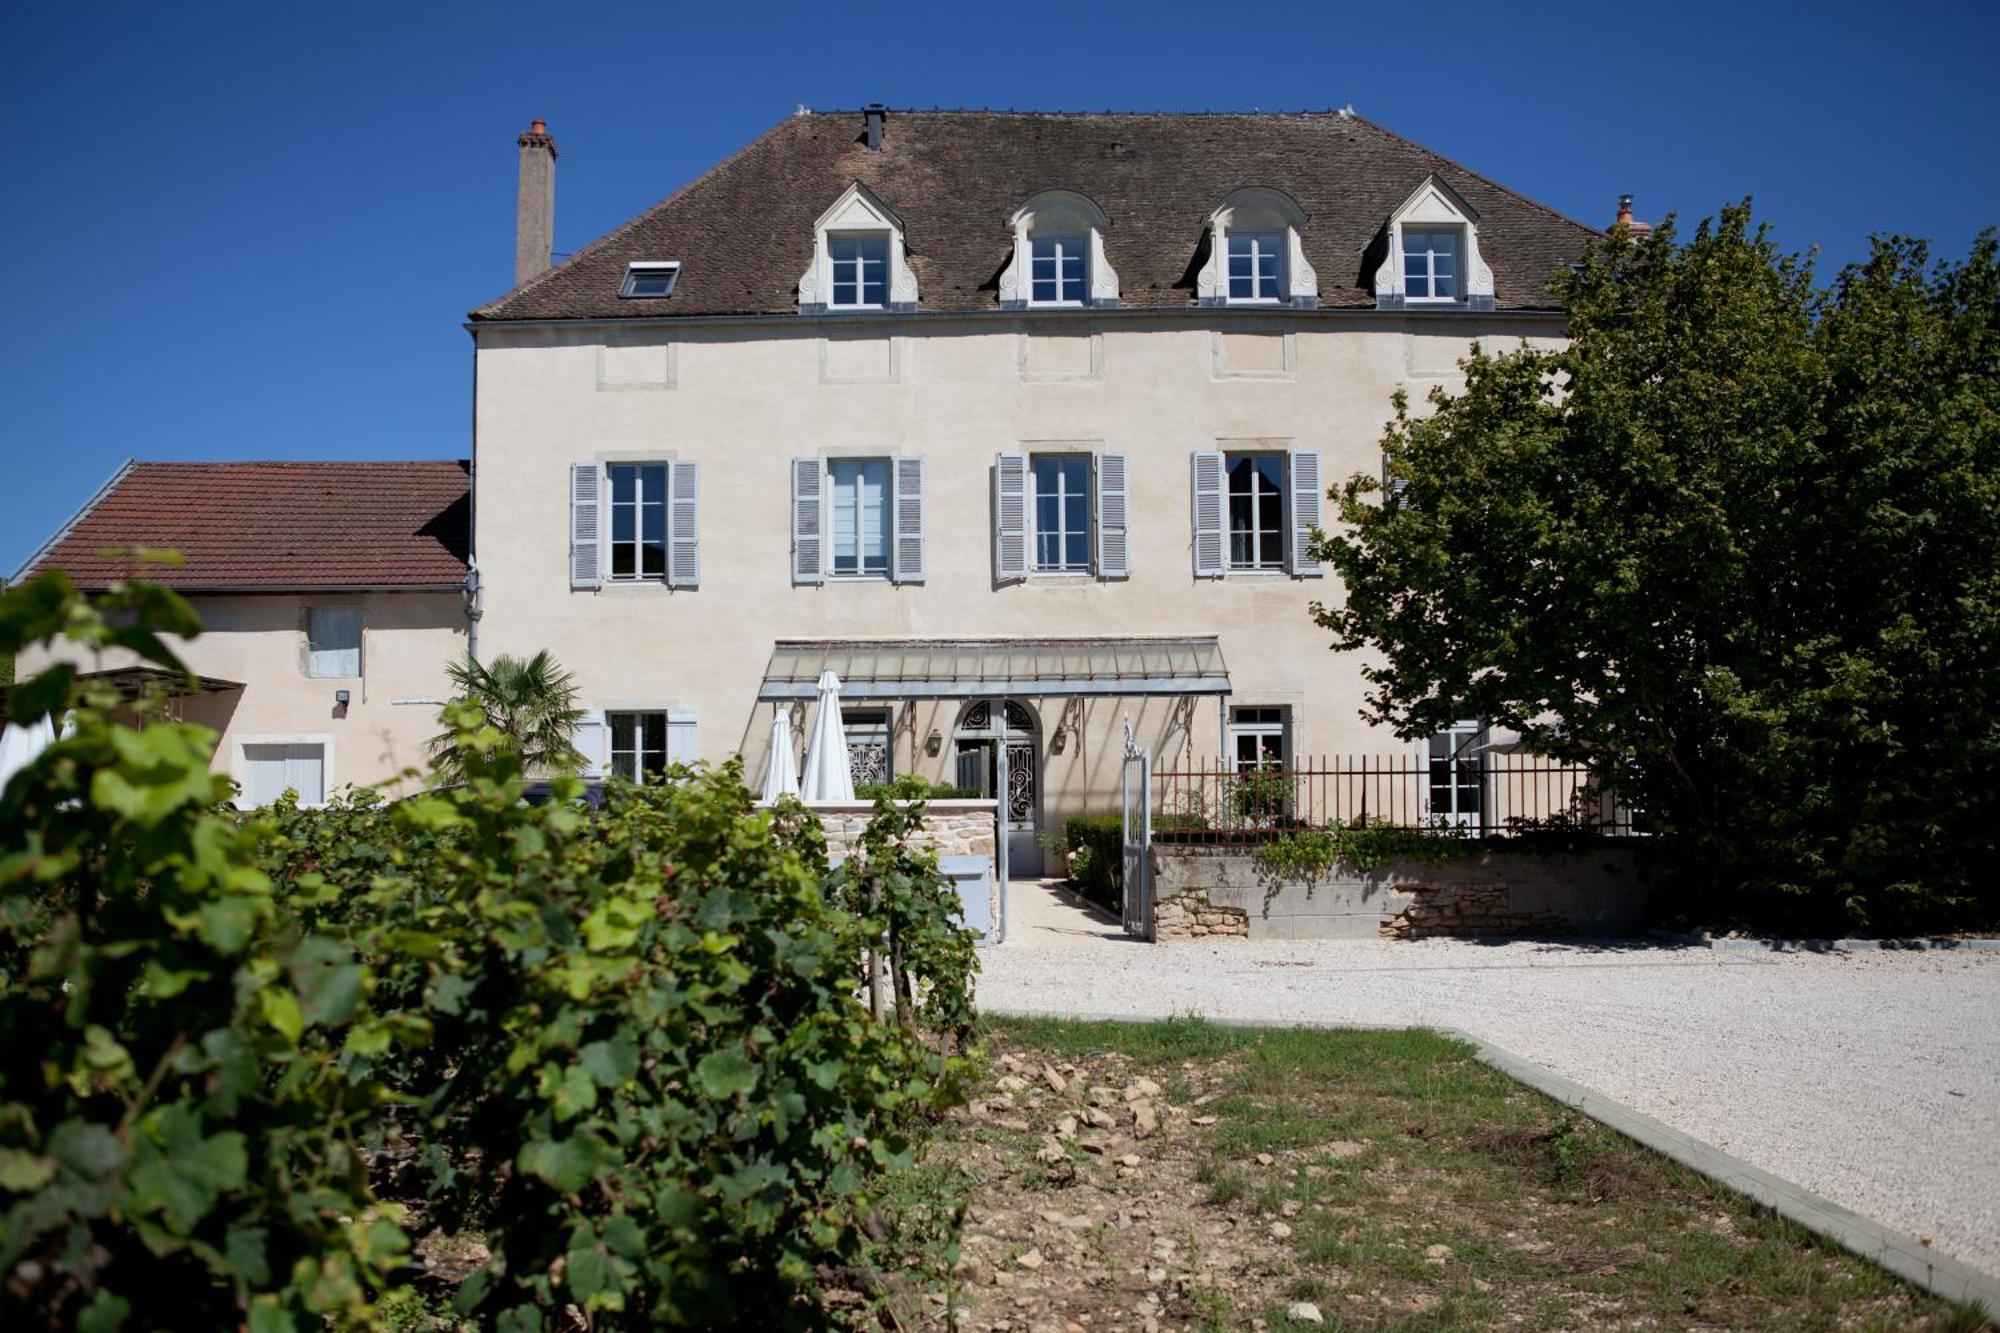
744,230
276,526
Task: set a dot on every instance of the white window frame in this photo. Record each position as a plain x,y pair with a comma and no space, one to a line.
1257,565
646,271
638,506
1070,221
1457,232
1434,206
1264,248
638,751
1242,726
240,762
1064,248
1465,734
887,573
360,643
860,263
1035,530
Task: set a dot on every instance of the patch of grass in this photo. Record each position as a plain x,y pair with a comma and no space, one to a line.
1447,1196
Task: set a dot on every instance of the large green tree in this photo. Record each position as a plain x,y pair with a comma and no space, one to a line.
1737,546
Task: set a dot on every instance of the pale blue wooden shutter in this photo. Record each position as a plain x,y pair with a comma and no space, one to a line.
1302,492
1114,555
586,525
683,526
591,739
683,737
907,555
808,520
1010,517
1209,549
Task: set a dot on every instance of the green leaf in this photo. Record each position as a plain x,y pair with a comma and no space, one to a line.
105,1313
566,1164
575,1094
328,979
226,924
613,1062
179,1173
22,1172
87,1151
245,1248
281,1010
725,1073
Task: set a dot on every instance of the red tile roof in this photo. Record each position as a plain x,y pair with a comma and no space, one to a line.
250,526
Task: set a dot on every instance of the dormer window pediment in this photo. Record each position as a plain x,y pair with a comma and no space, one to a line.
859,262
1255,255
1432,259
1058,260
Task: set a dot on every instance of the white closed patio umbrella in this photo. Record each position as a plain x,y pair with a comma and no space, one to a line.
829,777
19,744
781,776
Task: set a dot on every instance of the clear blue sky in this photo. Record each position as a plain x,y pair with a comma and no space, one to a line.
253,231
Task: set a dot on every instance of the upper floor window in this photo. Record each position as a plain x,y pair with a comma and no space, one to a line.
859,258
1430,253
860,264
333,641
1256,511
858,518
1255,253
1257,738
858,502
1059,265
1058,256
1062,513
1430,263
638,521
634,523
1255,261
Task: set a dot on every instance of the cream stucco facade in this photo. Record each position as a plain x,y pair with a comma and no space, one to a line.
258,642
743,399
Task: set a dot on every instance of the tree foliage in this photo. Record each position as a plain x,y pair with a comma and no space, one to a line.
1737,547
625,1044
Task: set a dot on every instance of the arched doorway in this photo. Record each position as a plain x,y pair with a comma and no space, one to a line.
984,725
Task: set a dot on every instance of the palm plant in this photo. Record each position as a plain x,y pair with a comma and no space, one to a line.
531,701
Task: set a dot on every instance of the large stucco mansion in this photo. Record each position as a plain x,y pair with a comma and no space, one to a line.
1019,422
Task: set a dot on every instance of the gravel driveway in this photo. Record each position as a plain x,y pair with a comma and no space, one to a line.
1870,1078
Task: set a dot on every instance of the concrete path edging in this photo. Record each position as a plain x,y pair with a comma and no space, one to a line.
1905,1256
1770,945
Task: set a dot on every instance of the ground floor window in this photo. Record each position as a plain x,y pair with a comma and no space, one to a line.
1257,738
638,744
1456,774
270,769
869,753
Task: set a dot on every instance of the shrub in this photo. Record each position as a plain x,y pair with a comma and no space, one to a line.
178,1128
912,787
1096,842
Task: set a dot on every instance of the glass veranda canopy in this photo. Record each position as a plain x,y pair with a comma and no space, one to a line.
991,668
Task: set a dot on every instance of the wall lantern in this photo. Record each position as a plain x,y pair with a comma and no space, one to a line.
933,743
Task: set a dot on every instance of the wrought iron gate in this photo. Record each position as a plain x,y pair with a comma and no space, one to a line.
1136,801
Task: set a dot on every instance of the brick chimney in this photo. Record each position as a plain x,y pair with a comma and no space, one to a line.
535,213
1626,220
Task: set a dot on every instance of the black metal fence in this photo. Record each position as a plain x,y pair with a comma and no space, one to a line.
1494,794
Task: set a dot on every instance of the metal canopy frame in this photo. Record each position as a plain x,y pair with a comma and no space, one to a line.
906,669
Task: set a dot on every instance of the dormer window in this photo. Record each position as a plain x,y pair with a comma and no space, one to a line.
650,279
1058,264
1431,254
1256,259
1255,256
1058,257
860,261
1430,263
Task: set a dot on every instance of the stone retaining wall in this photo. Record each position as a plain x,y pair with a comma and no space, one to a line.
1596,890
953,828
